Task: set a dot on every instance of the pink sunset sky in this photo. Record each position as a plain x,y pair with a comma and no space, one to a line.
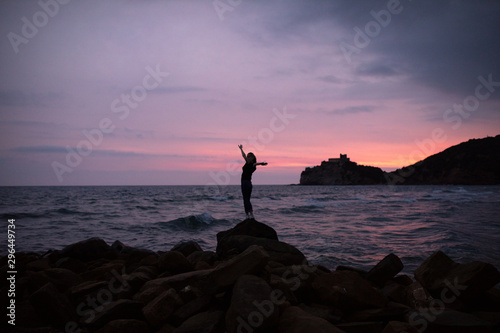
162,92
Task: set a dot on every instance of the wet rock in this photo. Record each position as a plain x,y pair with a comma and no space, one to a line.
416,296
399,327
253,306
250,261
38,265
439,273
445,320
52,306
392,311
362,327
178,281
120,309
249,227
191,308
347,290
158,311
131,254
148,294
174,262
72,264
296,320
207,257
205,322
278,251
62,278
90,249
186,248
125,326
386,269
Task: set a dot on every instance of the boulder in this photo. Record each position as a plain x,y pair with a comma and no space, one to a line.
278,251
90,249
72,264
208,257
52,306
178,281
399,327
120,309
440,275
348,291
158,311
62,278
191,308
131,254
416,296
448,321
125,326
296,320
186,248
249,227
386,269
253,306
174,262
205,322
250,261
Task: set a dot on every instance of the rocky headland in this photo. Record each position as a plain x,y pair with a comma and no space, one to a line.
475,162
252,283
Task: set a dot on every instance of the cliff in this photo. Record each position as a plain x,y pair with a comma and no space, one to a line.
475,162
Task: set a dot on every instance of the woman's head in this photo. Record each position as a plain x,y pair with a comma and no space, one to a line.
251,158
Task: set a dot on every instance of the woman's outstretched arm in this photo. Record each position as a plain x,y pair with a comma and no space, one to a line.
242,152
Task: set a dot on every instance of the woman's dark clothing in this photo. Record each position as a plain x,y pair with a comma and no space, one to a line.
248,169
246,185
246,189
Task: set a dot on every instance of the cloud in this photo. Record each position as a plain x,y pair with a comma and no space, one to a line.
20,98
352,110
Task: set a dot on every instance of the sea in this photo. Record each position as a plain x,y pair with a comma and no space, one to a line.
355,226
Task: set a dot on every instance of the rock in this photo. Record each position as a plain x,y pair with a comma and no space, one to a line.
253,306
186,248
52,306
38,265
120,309
158,311
250,261
278,251
249,227
416,296
131,254
399,327
191,308
445,320
78,292
178,281
207,257
386,269
205,322
361,327
348,291
147,295
174,262
72,264
90,249
125,326
392,311
439,274
296,320
395,292
62,278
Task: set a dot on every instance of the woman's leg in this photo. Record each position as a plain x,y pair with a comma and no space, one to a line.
246,190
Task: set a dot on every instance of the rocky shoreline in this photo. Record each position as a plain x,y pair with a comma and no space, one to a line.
251,283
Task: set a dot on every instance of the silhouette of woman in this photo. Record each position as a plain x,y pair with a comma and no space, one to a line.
246,180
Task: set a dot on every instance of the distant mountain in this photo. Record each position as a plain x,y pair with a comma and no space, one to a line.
475,162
